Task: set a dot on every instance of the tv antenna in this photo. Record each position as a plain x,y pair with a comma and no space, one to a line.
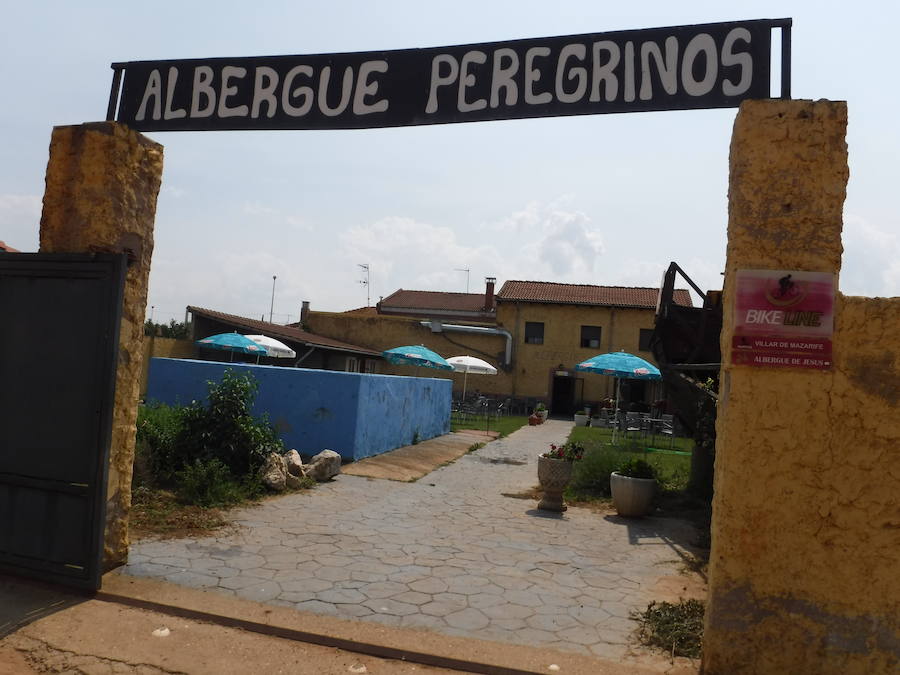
466,270
365,282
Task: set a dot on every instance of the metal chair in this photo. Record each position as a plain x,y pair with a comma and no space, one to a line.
667,428
632,423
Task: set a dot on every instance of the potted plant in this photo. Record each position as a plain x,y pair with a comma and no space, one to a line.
633,487
582,418
555,471
541,410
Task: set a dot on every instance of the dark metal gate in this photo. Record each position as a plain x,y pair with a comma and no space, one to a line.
59,334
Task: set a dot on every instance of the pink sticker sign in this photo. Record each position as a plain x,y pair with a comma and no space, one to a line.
783,319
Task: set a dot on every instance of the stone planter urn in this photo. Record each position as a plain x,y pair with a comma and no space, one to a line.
553,475
632,497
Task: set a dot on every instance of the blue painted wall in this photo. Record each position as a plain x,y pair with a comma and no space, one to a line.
356,415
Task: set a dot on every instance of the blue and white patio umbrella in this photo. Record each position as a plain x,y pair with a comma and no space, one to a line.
232,342
416,355
620,365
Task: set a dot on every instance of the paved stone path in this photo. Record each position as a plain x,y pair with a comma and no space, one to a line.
448,553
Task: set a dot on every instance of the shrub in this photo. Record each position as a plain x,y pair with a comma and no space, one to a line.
207,483
590,477
224,429
158,428
637,468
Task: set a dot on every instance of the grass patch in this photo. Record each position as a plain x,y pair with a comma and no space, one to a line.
674,627
160,513
475,447
590,479
505,424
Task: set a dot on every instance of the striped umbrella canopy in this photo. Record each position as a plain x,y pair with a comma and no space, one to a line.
470,364
416,355
232,342
620,365
273,347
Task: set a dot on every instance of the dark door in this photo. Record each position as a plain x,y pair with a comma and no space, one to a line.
563,397
58,347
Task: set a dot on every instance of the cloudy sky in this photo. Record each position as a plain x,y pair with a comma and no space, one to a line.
602,199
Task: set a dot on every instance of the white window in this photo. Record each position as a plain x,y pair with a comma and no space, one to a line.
352,364
371,365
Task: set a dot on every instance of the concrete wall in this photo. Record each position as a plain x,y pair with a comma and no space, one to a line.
355,415
806,514
167,348
102,182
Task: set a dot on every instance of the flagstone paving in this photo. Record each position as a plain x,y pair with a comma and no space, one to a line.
449,553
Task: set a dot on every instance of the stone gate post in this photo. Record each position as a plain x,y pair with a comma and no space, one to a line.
806,514
101,188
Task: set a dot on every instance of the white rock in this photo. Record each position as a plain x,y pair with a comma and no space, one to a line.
293,463
162,632
324,466
273,472
292,482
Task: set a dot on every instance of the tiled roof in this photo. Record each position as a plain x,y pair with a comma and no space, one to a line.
583,294
274,330
7,248
364,311
424,300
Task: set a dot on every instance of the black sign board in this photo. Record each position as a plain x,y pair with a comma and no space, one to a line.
685,67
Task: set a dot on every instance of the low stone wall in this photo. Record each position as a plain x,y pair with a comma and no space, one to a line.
356,415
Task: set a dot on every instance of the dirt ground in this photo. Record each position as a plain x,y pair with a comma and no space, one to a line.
107,636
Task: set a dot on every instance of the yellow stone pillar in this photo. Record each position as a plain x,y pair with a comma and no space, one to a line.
102,184
806,518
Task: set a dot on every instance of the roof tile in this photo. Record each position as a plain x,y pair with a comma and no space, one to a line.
458,302
282,332
584,294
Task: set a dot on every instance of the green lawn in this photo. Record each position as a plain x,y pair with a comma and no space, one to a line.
505,424
591,475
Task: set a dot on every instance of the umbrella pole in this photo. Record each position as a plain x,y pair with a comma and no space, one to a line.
465,377
616,411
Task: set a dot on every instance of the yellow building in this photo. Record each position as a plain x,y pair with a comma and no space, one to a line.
539,332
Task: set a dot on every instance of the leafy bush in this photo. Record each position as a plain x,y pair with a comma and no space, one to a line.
590,476
207,483
637,468
158,428
224,429
171,439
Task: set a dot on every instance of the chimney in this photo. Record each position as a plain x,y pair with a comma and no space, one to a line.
489,293
304,312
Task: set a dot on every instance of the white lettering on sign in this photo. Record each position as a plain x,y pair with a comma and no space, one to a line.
666,68
502,77
577,78
214,91
742,59
203,77
768,316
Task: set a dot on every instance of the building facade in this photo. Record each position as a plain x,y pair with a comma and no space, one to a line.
539,332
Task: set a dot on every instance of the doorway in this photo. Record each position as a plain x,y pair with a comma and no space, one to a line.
565,393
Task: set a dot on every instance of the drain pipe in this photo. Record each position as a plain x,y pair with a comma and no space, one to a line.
438,327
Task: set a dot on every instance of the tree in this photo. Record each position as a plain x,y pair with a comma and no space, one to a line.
174,329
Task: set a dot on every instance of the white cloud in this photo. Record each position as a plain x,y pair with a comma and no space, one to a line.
871,261
541,242
20,217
